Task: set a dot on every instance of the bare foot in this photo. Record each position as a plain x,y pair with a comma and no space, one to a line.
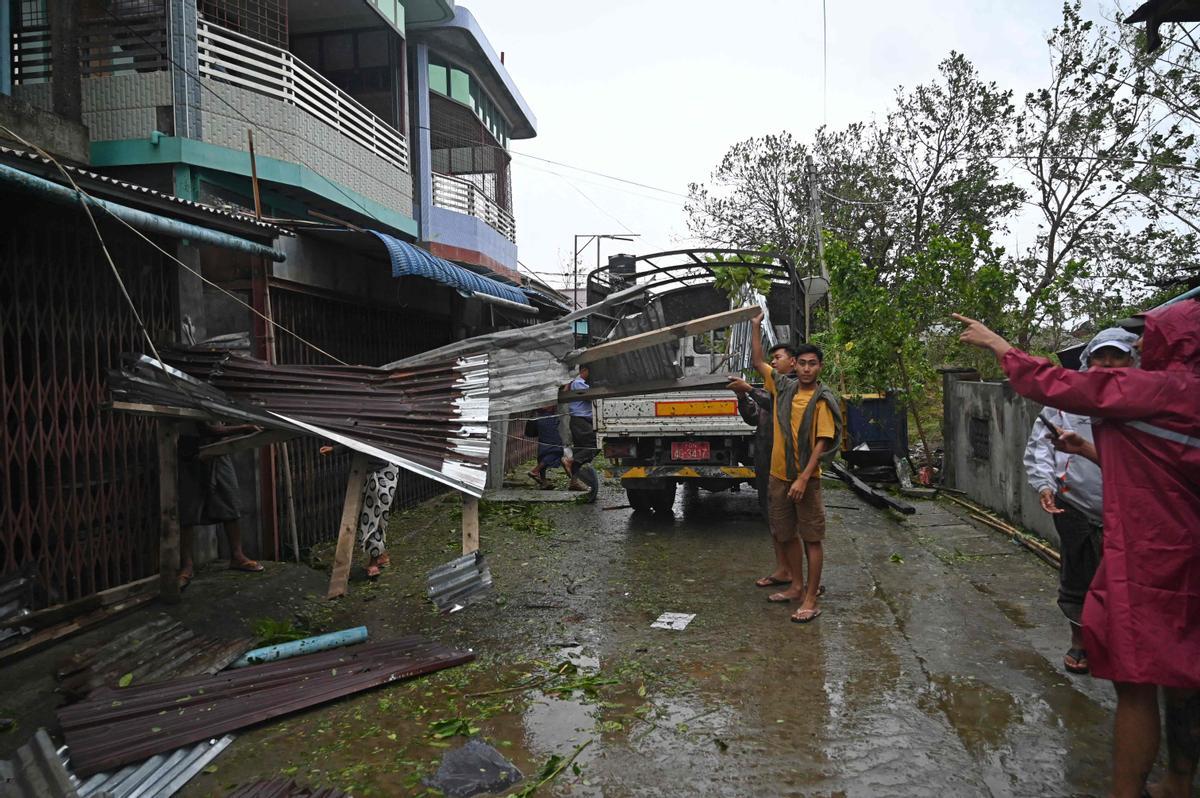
773,580
785,596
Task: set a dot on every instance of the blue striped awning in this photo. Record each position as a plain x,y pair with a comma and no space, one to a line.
411,261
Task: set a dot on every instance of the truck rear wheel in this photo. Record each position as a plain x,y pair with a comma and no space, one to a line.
664,498
641,499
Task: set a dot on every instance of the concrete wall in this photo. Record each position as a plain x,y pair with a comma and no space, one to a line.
51,132
986,426
289,134
466,232
114,108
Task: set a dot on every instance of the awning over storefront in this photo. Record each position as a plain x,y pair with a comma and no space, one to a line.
411,261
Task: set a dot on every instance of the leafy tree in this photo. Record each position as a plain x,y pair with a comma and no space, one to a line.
1101,163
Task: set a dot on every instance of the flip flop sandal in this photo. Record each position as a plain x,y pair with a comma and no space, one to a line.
1079,655
814,614
770,581
383,560
184,581
373,572
779,598
249,566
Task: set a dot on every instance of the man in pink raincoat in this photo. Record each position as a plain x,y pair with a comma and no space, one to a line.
1141,619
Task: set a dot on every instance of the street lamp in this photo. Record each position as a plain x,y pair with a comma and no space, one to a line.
578,249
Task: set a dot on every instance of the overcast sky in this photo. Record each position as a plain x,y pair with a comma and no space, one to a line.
656,91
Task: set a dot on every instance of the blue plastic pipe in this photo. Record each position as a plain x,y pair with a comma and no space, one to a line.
309,645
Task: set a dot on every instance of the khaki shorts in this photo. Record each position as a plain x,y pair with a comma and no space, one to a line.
788,520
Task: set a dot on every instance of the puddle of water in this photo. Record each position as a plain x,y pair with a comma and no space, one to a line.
980,714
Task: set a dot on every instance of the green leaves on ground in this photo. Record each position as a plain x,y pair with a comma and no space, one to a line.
270,631
452,727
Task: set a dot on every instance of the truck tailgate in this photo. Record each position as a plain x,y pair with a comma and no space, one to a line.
684,413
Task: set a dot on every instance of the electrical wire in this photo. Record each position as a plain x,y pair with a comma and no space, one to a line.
213,92
87,207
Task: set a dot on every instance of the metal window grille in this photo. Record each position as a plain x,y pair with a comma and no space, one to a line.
265,20
126,36
355,333
78,485
462,146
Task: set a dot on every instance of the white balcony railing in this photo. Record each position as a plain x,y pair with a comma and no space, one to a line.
240,60
463,196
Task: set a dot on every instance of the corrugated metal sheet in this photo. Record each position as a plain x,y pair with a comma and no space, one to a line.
36,772
103,733
459,582
123,186
160,776
430,420
160,650
410,260
285,788
525,366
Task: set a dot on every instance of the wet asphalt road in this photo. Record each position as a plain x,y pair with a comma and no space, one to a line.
934,670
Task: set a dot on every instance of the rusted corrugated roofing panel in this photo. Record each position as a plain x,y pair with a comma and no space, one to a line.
106,732
160,650
430,420
285,788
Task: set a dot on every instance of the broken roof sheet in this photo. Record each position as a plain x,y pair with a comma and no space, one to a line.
102,733
430,420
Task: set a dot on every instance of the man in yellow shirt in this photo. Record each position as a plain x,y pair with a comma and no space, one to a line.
807,421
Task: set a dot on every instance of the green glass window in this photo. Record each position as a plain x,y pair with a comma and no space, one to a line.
439,80
460,86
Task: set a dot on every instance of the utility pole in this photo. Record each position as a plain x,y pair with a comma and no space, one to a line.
814,201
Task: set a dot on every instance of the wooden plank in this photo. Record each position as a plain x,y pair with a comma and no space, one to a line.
47,636
470,524
664,335
253,440
703,382
165,411
349,526
168,508
61,612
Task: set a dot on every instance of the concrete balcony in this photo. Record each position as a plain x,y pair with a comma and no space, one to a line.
463,196
314,140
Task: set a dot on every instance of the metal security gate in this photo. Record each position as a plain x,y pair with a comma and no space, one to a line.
78,485
362,335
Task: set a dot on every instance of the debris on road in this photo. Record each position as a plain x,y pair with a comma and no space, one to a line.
284,788
308,645
160,776
103,733
157,651
472,769
876,498
36,772
676,621
451,587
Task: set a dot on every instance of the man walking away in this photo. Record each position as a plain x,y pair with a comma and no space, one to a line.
544,427
807,426
1069,489
580,432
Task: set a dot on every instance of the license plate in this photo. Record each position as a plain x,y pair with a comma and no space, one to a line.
690,450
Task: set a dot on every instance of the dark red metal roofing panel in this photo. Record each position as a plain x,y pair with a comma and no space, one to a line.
111,730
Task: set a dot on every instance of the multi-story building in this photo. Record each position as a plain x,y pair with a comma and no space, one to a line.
372,135
393,115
